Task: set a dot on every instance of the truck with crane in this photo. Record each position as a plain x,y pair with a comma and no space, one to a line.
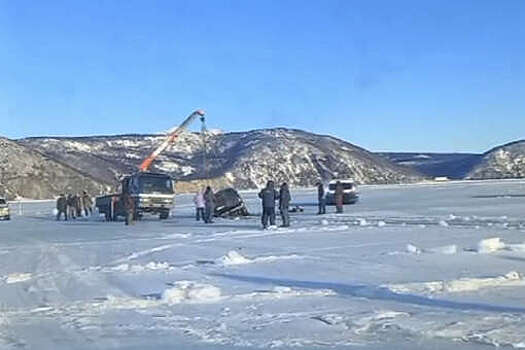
152,193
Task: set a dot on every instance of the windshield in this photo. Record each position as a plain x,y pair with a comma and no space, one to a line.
155,184
346,186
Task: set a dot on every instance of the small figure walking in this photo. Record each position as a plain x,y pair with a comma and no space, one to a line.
61,207
87,203
339,194
321,198
284,204
129,205
209,205
200,204
71,206
268,195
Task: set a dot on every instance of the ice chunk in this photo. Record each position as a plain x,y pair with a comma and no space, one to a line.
490,245
413,249
188,291
234,258
443,223
448,249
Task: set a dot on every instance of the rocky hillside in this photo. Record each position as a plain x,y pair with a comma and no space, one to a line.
507,161
27,173
243,159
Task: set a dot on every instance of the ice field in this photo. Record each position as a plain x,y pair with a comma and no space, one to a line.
436,266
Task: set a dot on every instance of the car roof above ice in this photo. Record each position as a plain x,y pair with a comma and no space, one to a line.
342,180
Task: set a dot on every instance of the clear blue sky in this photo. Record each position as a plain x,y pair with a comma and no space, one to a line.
386,75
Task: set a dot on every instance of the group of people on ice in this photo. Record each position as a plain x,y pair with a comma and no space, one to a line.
74,205
269,195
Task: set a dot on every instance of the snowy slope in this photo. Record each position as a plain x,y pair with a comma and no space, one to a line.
507,161
27,173
408,267
244,159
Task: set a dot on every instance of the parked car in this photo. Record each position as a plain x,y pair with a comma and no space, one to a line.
350,194
4,209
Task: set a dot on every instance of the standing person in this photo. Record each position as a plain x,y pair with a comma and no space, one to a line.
284,204
71,206
87,202
321,198
209,205
78,205
339,193
61,207
200,204
268,195
129,206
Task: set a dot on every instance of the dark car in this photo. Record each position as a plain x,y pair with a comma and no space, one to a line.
228,202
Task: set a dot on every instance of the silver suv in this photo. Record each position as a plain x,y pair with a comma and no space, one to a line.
4,210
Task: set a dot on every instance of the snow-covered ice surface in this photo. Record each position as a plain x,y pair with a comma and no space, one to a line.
408,267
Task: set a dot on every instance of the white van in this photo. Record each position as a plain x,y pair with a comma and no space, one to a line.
350,194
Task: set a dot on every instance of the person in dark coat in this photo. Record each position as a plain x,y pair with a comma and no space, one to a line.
61,207
78,204
321,198
209,205
284,204
70,201
129,205
268,195
339,193
87,203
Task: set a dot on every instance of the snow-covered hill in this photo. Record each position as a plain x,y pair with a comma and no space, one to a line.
28,173
242,159
507,161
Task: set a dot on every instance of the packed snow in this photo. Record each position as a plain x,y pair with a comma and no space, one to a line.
432,266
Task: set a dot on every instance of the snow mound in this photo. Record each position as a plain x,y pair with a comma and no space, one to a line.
511,279
151,266
447,249
362,222
324,222
443,223
17,277
490,245
192,292
381,223
412,249
235,258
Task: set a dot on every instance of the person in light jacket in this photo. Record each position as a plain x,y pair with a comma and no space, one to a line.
200,205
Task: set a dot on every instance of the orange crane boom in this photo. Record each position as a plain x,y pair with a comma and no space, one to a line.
146,163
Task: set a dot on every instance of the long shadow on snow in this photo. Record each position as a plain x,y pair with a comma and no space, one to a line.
374,293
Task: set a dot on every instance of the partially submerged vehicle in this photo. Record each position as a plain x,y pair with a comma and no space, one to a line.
4,209
153,193
228,202
350,194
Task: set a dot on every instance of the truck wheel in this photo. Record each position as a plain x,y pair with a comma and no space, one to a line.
164,215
